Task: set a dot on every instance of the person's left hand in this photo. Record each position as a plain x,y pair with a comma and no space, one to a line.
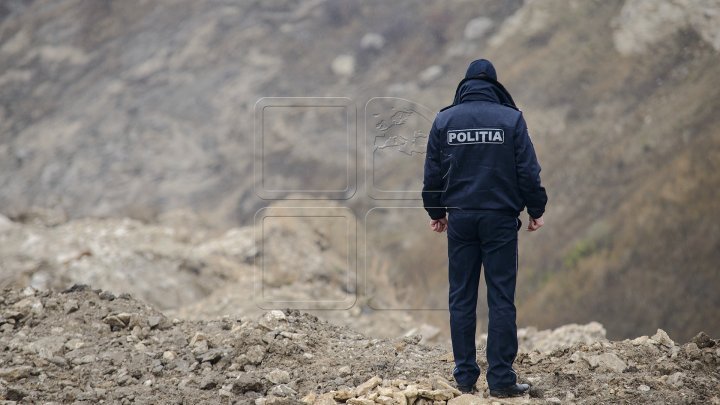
438,225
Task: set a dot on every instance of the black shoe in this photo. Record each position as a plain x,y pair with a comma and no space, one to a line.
516,390
466,389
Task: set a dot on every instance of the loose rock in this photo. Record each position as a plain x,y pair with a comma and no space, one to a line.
607,361
702,340
466,399
368,385
278,376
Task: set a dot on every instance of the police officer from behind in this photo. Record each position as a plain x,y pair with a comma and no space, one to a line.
480,173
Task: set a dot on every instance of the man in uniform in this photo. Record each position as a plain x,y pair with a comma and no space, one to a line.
480,173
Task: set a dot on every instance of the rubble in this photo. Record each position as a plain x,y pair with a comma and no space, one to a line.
287,357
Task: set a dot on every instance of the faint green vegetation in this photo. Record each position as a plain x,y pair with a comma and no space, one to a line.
594,240
581,250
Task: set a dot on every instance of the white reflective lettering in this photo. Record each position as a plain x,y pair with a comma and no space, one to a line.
476,136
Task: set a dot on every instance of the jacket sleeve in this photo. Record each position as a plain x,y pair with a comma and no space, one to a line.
433,181
528,172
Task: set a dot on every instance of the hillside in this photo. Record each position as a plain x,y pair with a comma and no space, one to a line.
629,142
145,109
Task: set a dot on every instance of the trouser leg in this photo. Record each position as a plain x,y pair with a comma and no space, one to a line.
465,260
500,263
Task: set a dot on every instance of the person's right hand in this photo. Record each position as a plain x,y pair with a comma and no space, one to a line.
535,224
438,225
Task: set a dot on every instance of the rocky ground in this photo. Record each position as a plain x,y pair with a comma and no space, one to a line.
89,346
191,272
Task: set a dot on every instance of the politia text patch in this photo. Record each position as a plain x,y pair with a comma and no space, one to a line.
476,135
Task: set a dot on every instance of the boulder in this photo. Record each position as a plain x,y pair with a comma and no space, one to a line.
437,395
278,376
367,386
662,338
282,390
273,320
702,340
244,383
255,354
344,371
211,356
607,361
342,394
477,28
693,351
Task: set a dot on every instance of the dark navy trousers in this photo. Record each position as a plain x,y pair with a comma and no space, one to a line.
478,239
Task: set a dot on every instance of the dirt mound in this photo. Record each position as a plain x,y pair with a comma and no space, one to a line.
190,272
164,266
90,346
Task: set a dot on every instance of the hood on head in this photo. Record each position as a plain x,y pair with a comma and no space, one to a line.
479,67
480,84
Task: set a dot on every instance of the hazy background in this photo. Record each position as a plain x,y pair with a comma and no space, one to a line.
127,147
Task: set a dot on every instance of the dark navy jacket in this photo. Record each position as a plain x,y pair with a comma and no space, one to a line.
479,153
